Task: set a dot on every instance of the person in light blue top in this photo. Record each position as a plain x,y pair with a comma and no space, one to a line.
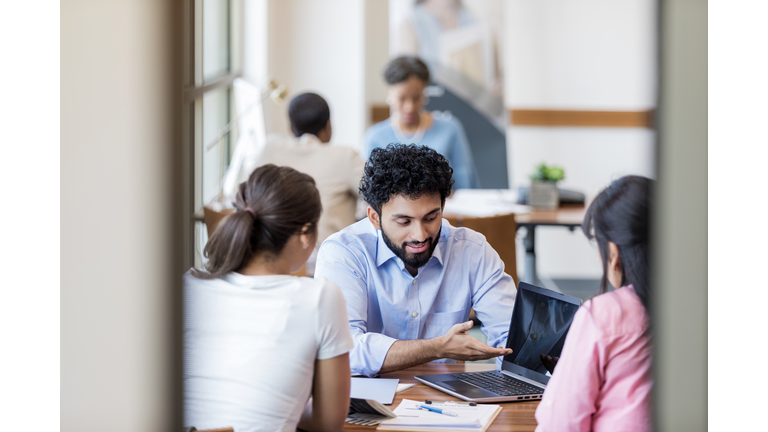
409,123
408,277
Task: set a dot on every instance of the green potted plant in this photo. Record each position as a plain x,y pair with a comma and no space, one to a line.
543,192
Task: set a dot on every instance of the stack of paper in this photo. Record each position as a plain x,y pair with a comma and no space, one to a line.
470,418
484,203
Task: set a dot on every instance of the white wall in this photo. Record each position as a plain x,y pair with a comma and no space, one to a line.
117,273
586,55
318,46
590,54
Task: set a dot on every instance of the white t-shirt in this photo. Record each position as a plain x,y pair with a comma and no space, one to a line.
250,344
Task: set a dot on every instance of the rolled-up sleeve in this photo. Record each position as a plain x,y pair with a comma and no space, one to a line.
338,264
494,299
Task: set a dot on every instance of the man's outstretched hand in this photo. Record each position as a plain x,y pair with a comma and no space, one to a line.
549,362
458,345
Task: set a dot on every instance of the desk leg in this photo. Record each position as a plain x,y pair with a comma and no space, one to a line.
530,256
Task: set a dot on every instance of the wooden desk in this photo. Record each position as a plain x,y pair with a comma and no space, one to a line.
514,417
569,216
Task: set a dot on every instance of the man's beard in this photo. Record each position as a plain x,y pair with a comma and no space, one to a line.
412,260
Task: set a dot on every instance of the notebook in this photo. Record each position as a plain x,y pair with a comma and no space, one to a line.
411,418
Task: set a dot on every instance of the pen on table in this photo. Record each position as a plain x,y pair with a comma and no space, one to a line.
438,410
429,402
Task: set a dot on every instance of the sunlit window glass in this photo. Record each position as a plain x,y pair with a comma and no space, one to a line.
216,42
215,153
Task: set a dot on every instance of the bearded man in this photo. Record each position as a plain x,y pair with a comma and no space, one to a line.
409,278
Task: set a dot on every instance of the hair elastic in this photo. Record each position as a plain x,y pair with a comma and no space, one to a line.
251,211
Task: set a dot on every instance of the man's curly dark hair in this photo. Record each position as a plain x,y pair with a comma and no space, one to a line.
405,169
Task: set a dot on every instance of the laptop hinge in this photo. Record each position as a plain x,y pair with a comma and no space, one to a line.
522,378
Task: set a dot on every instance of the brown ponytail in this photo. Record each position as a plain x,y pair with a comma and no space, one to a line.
272,205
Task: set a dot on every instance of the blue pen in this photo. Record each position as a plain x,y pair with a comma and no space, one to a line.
439,411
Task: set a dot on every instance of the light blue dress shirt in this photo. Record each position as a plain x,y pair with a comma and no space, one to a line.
385,303
446,136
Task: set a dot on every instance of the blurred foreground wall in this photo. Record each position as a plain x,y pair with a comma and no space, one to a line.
119,123
680,283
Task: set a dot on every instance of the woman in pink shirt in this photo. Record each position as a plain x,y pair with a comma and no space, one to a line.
603,378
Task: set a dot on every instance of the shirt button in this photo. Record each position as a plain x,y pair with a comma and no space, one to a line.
534,336
543,305
414,314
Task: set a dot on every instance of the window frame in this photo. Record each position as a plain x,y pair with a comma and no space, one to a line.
194,88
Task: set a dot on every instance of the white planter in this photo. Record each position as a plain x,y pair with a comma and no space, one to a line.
544,195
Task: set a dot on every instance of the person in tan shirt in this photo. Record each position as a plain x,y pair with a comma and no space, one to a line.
337,170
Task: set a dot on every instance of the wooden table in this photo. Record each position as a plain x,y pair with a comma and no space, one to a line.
570,216
514,417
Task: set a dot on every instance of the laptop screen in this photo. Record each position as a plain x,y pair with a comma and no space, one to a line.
540,321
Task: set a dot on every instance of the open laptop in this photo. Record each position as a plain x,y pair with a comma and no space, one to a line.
540,321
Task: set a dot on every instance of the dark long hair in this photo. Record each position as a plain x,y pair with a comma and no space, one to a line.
272,205
621,214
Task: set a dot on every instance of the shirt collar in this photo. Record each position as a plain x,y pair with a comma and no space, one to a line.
249,280
384,253
309,139
441,244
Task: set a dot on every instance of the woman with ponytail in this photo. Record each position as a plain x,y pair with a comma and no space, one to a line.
603,380
259,342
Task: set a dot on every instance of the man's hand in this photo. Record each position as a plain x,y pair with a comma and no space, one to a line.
458,345
549,362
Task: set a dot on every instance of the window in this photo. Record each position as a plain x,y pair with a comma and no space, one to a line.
212,61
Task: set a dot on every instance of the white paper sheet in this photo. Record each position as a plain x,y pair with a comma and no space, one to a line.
379,389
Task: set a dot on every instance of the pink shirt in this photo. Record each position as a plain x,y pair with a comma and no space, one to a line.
603,380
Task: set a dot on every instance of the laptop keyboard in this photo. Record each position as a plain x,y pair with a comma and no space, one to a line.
498,383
